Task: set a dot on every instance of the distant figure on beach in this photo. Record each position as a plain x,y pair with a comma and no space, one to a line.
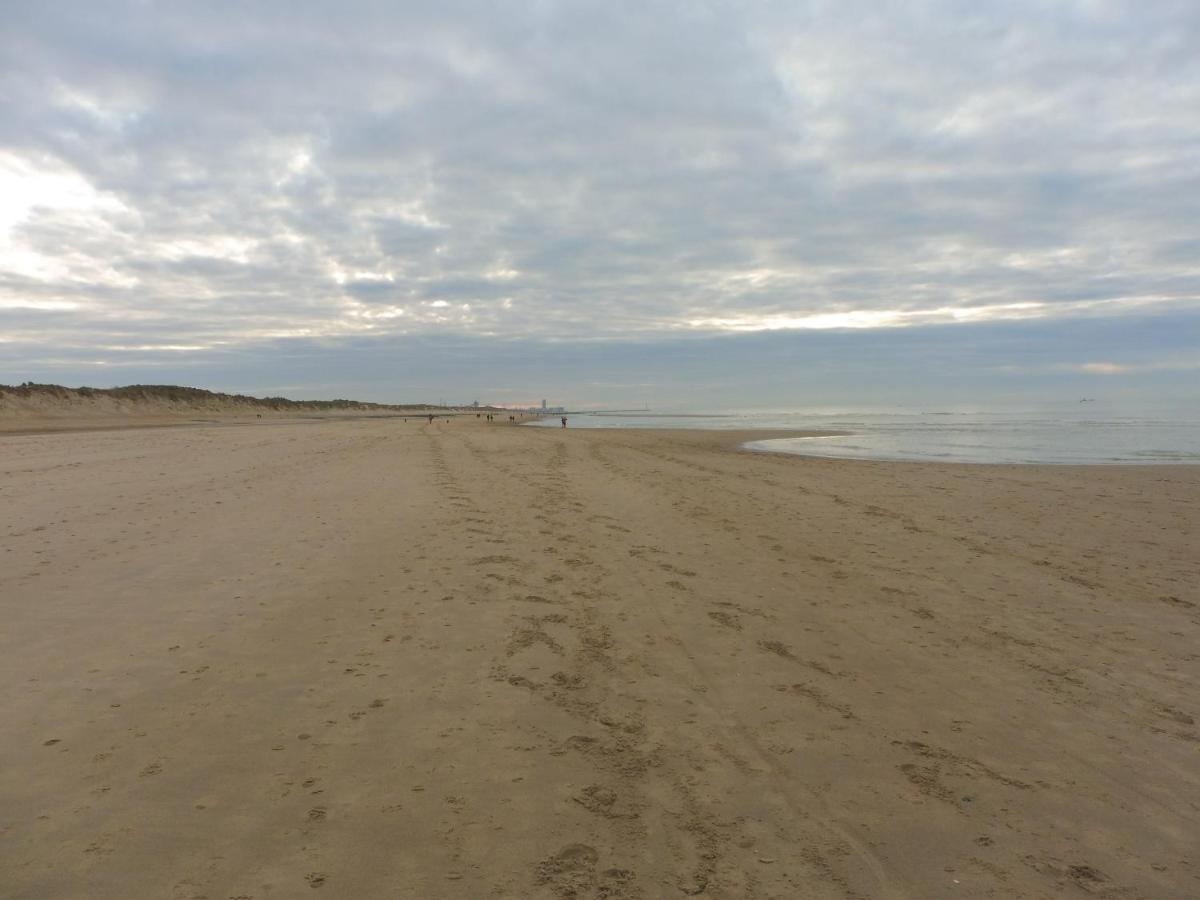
564,421
431,420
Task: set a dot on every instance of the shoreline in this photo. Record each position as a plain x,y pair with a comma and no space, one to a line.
15,425
695,668
731,439
739,439
1041,436
1094,465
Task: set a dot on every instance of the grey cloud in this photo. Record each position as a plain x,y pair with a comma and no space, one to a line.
591,170
1150,359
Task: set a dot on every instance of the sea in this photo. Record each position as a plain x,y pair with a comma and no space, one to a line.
1088,432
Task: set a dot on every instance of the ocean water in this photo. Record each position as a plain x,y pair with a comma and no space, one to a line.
1076,433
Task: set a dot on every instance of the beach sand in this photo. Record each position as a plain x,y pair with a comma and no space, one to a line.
366,659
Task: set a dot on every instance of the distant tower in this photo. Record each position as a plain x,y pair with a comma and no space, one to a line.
543,404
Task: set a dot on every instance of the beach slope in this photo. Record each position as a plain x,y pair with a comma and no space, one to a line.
385,658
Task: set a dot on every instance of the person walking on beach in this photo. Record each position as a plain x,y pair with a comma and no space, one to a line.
564,421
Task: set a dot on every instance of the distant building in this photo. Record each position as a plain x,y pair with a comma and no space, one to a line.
543,404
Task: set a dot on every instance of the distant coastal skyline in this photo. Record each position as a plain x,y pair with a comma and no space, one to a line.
694,206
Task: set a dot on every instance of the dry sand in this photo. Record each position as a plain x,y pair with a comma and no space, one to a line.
385,659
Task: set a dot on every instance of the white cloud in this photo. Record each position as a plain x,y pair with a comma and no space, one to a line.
1126,368
32,190
1104,368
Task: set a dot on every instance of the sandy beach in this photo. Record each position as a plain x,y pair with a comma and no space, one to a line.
378,658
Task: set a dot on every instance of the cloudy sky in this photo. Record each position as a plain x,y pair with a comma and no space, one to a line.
604,203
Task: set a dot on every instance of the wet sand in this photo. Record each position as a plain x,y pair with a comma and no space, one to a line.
388,659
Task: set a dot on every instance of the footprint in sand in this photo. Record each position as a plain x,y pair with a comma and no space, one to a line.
602,801
726,619
571,870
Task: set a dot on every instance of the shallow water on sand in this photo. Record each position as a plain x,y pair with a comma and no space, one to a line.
1076,433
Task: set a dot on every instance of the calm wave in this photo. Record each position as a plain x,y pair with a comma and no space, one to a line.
1083,433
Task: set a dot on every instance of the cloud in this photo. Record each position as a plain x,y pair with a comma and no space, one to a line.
972,365
1115,368
198,178
1103,368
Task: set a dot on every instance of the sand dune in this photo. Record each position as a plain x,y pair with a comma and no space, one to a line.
389,659
31,408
